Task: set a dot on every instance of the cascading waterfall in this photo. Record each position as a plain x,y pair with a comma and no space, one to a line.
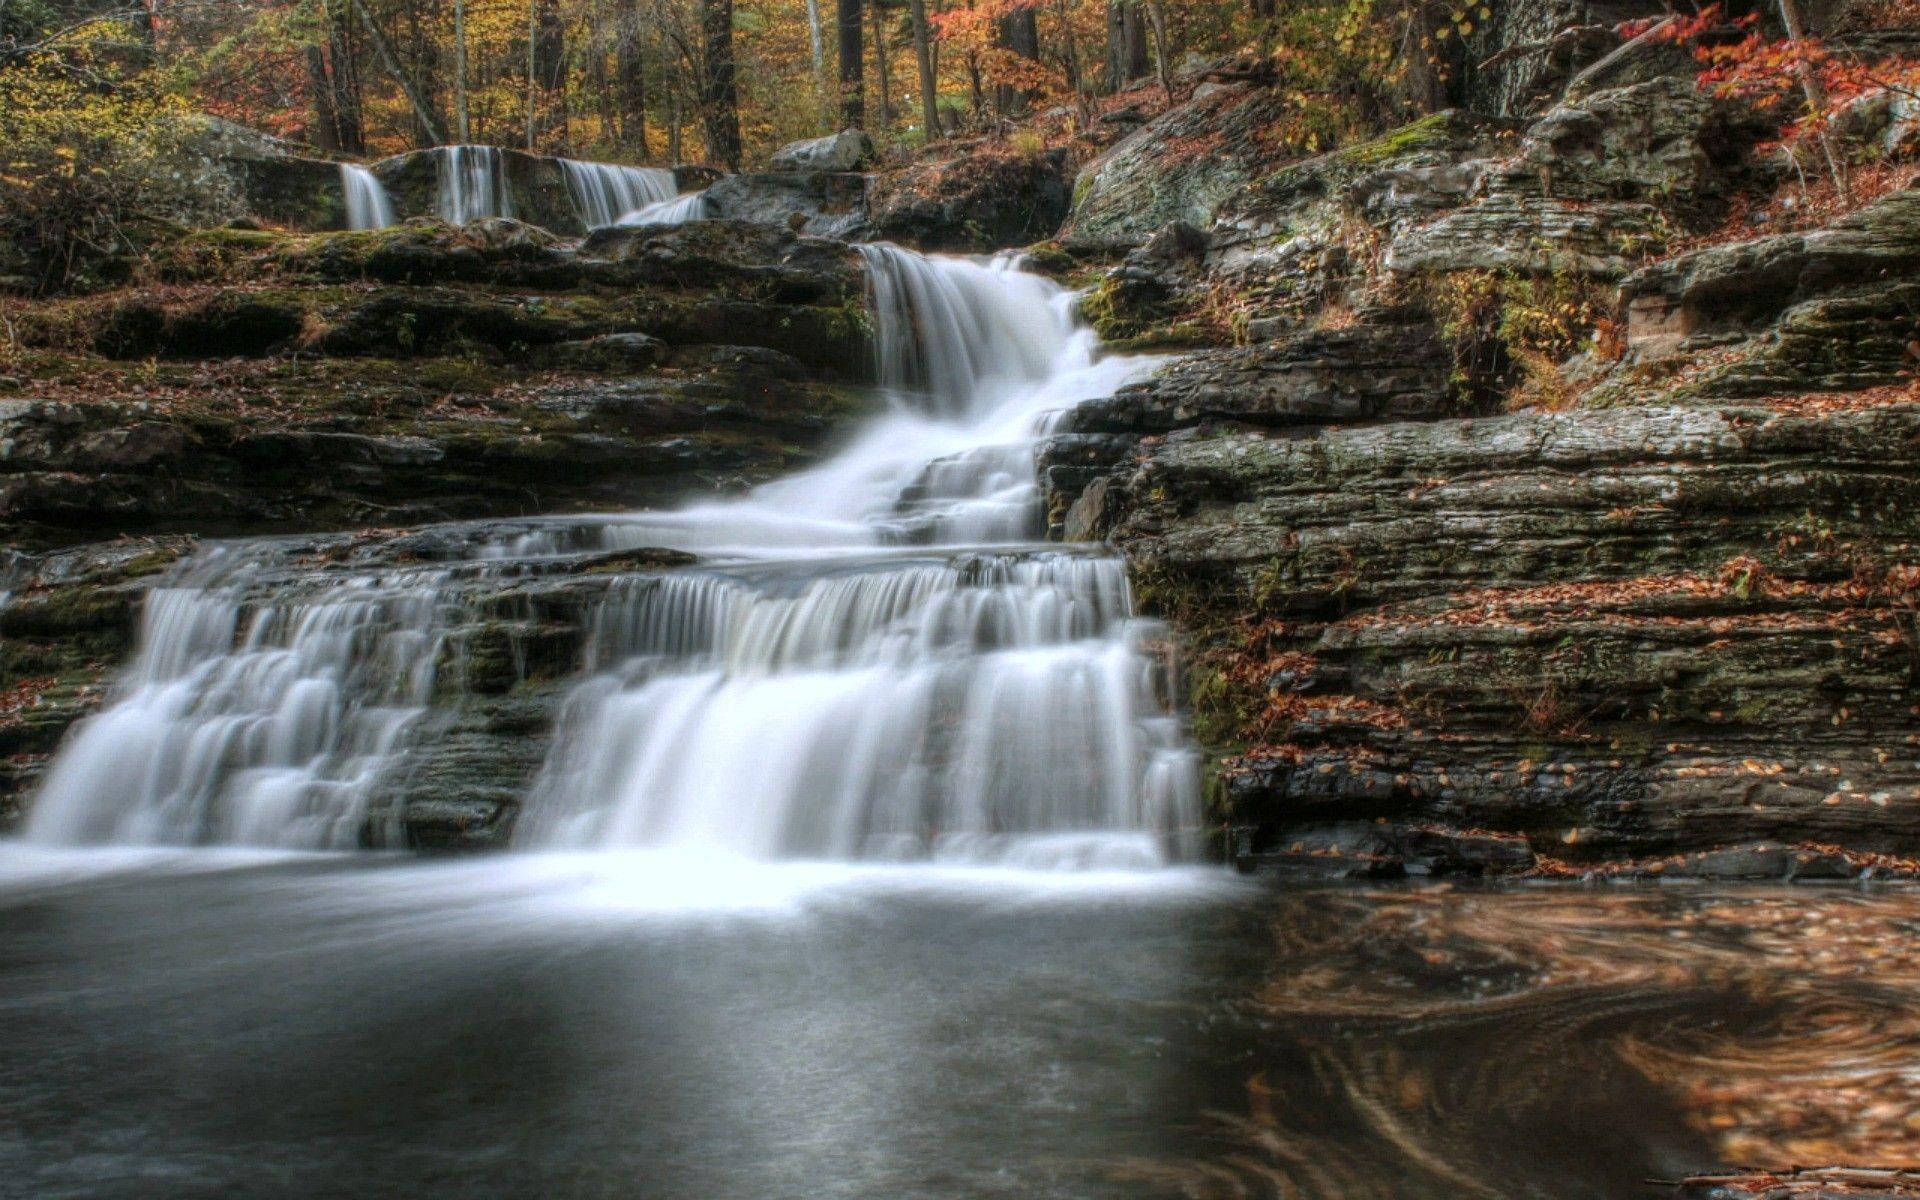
247,719
472,184
676,210
997,702
871,659
368,206
604,193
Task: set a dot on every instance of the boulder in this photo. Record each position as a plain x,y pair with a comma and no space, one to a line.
817,203
1661,141
848,150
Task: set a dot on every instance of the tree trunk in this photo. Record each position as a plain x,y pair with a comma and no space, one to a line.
1158,19
1126,43
460,123
1019,34
881,70
345,80
923,58
325,132
1816,95
719,97
1076,80
853,86
630,67
533,71
817,45
391,61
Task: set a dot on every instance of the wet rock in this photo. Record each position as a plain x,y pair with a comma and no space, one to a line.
611,353
1438,851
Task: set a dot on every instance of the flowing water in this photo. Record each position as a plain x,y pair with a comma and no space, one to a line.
675,210
604,193
611,1026
472,184
872,661
368,206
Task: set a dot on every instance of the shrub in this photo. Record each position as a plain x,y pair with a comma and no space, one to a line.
96,158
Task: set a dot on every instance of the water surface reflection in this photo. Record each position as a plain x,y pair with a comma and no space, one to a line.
641,1026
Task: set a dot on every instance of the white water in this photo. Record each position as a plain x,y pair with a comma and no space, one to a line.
472,184
872,660
604,193
676,210
251,720
962,705
368,206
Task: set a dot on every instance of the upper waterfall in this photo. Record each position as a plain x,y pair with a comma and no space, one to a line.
603,193
472,184
367,203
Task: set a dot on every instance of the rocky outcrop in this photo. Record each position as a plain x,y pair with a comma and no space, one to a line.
1828,309
1182,166
1613,633
985,199
819,203
67,621
512,645
427,373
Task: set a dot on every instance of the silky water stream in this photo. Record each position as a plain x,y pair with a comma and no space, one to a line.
861,864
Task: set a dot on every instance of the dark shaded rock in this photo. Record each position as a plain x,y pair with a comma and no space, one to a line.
987,199
1438,851
1393,368
536,186
611,353
1746,287
293,192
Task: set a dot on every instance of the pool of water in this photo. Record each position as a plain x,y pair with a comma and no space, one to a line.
184,1024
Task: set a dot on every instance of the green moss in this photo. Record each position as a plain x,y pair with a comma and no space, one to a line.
1425,134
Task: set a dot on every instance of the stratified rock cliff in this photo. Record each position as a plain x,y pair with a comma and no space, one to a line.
1502,536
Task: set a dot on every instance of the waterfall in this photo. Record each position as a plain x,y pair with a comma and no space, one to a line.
603,193
980,699
870,659
268,719
367,204
472,184
677,210
994,707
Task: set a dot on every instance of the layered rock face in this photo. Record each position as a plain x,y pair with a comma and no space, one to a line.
424,373
1461,597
